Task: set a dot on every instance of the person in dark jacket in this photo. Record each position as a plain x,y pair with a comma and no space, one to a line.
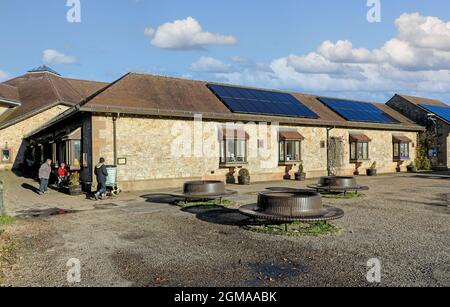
44,176
101,174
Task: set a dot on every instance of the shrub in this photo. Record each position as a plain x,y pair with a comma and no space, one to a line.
244,173
301,168
75,179
422,162
373,166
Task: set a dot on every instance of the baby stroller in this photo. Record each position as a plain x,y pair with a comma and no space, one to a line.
112,188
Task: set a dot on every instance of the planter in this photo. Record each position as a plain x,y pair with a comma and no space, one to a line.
230,179
411,169
356,173
300,176
75,190
244,180
371,172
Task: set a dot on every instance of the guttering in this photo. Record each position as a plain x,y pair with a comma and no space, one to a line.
251,118
33,113
11,102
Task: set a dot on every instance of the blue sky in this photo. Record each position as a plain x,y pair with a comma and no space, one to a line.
256,43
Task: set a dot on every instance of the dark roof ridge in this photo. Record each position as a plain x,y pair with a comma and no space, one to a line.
87,99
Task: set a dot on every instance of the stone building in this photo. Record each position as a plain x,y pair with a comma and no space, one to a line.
435,116
161,132
29,101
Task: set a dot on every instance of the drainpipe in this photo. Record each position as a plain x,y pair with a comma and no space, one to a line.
115,117
328,151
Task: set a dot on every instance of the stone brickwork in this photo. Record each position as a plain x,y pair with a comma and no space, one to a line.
149,145
420,116
14,134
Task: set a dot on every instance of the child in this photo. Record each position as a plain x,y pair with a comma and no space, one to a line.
62,174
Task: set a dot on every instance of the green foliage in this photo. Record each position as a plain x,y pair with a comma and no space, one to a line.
301,168
244,173
213,203
74,180
422,162
348,195
296,229
6,220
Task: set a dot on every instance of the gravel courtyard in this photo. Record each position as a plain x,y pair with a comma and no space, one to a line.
141,240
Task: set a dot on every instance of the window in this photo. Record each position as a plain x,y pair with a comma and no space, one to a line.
73,154
401,150
233,146
290,151
233,151
290,147
359,151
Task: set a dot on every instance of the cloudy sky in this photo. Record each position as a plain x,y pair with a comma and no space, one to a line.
321,47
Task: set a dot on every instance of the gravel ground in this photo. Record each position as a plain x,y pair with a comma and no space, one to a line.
403,221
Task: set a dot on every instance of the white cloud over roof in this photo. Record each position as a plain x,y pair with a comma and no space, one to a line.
186,34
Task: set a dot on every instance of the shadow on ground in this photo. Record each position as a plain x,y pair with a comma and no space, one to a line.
43,213
31,188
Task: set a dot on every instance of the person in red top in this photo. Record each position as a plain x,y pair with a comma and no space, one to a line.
62,174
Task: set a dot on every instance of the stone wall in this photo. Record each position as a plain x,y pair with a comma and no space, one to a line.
14,134
156,157
420,117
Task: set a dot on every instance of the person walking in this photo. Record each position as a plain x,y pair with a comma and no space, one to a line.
101,173
44,176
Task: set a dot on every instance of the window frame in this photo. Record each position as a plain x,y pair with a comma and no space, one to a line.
283,146
224,145
354,151
397,147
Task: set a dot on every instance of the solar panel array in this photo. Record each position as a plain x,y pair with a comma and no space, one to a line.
252,101
357,111
442,112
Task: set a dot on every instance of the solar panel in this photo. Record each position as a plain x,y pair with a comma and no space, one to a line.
442,112
357,111
252,101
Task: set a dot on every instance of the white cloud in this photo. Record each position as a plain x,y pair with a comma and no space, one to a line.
210,65
424,32
3,75
186,34
52,56
415,61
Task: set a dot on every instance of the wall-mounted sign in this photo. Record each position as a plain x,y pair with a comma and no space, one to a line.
121,161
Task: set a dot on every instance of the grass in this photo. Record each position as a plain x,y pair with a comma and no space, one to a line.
215,202
348,195
6,220
296,229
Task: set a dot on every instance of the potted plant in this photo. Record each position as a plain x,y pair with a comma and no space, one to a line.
230,177
411,168
74,184
300,175
244,177
372,171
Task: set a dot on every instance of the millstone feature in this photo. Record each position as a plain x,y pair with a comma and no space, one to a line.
291,206
204,190
337,184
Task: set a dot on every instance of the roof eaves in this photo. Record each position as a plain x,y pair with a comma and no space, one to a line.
249,117
66,114
31,114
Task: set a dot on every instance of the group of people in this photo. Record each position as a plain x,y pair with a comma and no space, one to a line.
63,174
